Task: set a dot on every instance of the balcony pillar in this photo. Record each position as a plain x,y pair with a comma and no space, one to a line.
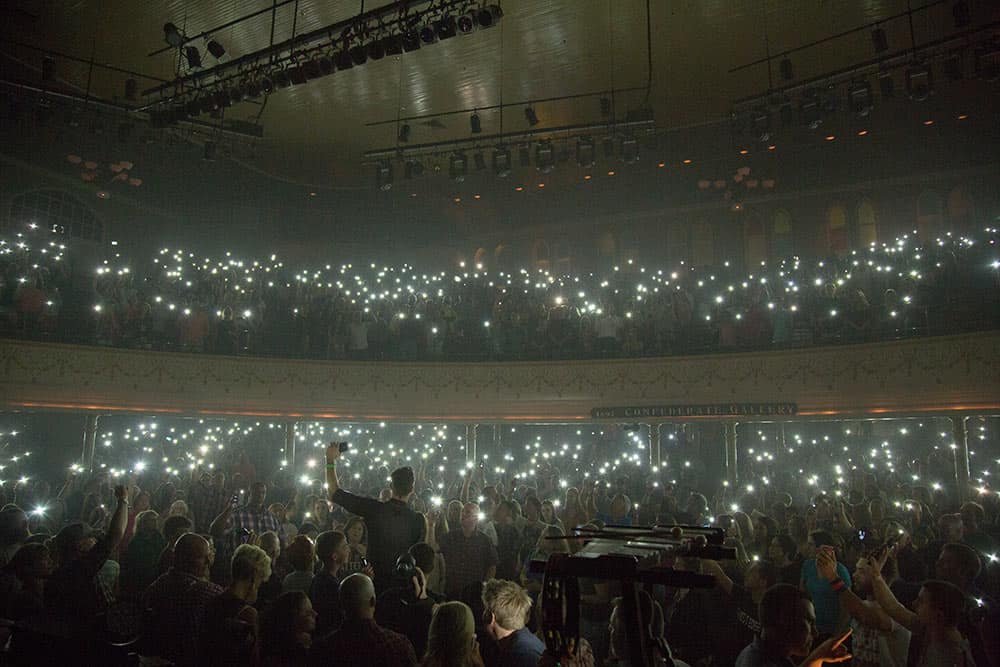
732,454
89,441
960,448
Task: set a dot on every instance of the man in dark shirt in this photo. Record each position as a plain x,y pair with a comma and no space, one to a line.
360,642
469,556
741,624
79,598
207,498
392,526
332,551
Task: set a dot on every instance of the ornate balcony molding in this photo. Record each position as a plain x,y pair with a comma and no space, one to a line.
931,375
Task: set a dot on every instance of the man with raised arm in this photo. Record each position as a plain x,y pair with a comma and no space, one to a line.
392,526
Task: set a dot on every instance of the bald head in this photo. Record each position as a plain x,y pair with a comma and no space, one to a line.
357,596
191,554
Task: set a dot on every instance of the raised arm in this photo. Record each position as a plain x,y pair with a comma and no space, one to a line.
874,617
722,580
886,600
354,504
219,524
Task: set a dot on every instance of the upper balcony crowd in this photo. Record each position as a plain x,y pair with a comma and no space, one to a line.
183,301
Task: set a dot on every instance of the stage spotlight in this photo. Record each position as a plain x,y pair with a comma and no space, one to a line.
383,175
488,16
479,160
809,110
281,79
787,73
475,124
501,161
235,95
545,159
267,85
326,65
193,56
392,44
919,82
466,23
216,49
428,35
343,60
530,116
859,98
221,99
961,13
131,89
458,167
208,103
376,50
760,123
524,156
880,41
359,54
585,153
404,133
297,74
886,84
172,36
445,27
630,150
410,40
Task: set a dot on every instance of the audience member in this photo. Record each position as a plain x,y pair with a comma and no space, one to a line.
451,640
506,607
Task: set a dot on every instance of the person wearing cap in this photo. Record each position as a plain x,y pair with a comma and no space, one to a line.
83,598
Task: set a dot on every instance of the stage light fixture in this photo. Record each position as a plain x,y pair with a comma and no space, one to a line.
886,84
410,40
859,98
488,16
193,56
216,49
530,116
809,110
404,133
220,99
545,159
359,54
585,152
524,156
376,50
235,95
428,35
326,65
343,60
172,35
466,23
787,72
267,85
501,161
392,44
479,160
475,124
880,41
919,82
208,104
297,74
458,167
961,13
630,150
383,175
281,79
445,27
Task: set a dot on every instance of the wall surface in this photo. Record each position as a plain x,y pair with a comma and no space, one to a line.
936,375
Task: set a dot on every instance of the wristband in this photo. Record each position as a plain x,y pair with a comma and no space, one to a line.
838,585
331,466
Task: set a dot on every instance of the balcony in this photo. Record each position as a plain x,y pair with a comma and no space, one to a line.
931,375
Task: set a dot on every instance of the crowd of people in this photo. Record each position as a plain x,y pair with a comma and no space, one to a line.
185,302
854,546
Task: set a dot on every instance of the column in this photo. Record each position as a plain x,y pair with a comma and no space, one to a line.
89,441
732,461
290,444
961,450
656,444
471,433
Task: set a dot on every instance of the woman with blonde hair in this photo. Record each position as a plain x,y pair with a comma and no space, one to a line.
451,639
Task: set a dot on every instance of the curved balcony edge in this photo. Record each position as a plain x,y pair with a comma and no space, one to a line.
907,377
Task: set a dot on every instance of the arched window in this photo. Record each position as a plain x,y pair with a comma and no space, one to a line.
781,235
58,211
836,230
702,244
867,224
930,213
961,211
754,242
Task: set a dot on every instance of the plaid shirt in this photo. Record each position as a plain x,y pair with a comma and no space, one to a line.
256,521
177,603
362,643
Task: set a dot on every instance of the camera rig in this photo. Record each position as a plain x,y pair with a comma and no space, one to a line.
637,557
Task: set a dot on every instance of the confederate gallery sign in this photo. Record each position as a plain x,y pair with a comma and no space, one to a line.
713,410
